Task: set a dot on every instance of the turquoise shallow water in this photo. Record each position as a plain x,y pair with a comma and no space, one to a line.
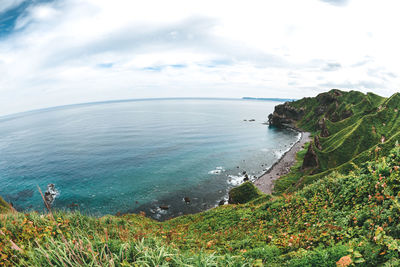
137,155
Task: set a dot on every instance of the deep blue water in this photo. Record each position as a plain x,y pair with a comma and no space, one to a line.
137,155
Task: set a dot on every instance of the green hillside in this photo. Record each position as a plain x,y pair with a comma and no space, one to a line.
349,127
342,211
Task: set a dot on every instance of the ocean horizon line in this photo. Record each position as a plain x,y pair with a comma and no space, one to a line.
34,111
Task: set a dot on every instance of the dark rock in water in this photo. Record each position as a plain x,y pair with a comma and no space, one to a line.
22,195
164,207
252,120
222,202
244,120
187,200
73,205
310,158
244,172
50,195
246,178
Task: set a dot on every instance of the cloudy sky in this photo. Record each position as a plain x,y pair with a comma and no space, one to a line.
73,51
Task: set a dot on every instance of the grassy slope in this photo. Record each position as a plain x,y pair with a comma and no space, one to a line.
351,140
349,217
4,206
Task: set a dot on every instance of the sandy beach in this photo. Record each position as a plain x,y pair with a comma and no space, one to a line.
266,181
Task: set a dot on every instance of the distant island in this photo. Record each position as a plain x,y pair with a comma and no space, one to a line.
269,99
338,205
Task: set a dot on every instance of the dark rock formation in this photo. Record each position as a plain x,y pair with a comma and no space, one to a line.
322,126
187,200
329,97
320,110
317,142
21,195
73,205
335,117
50,194
285,114
222,202
164,207
345,114
310,158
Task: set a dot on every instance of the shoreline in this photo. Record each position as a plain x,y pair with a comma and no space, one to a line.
265,182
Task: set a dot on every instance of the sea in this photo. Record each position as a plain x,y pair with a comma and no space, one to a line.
163,157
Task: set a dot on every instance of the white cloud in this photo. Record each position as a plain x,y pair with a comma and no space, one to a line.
72,51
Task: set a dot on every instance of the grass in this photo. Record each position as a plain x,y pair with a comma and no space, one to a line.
4,206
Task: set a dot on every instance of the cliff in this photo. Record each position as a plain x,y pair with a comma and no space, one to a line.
347,126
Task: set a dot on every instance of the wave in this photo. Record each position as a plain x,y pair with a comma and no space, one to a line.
218,170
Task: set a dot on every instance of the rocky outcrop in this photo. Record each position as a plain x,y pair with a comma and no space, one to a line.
310,158
328,98
317,142
323,128
187,200
50,195
284,115
345,114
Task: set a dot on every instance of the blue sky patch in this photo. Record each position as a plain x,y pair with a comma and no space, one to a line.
105,65
9,18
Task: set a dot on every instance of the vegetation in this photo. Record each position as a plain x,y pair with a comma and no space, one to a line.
244,193
343,212
4,206
350,126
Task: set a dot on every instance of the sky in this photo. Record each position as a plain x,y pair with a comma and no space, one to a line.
59,52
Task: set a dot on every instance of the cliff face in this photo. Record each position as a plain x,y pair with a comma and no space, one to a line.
285,115
310,158
333,105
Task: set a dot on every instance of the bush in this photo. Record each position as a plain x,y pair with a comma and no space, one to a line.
244,193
